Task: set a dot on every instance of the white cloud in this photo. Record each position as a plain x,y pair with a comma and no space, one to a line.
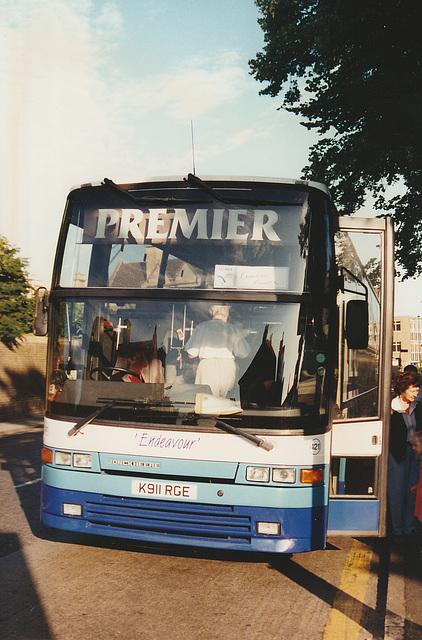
56,118
110,17
245,136
196,92
70,114
191,90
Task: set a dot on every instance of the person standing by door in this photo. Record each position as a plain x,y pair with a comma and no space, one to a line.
403,466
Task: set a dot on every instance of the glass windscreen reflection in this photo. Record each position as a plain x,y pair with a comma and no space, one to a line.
194,247
162,353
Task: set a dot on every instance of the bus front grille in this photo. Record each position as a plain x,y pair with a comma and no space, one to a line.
154,517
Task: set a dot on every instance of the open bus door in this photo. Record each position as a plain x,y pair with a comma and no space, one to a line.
360,425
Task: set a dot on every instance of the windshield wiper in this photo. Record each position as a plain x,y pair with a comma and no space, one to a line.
82,423
145,200
115,402
260,442
240,202
200,184
236,203
146,402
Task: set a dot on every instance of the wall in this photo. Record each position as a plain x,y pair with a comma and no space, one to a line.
22,378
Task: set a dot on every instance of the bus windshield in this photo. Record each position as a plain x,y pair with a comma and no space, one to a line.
159,354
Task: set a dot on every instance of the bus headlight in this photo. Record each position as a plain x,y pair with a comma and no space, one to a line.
82,460
284,475
258,474
63,458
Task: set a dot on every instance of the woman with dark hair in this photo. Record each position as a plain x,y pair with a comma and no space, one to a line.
403,466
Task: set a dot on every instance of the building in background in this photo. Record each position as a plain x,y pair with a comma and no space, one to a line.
407,341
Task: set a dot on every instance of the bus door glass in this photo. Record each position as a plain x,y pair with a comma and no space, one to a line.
358,475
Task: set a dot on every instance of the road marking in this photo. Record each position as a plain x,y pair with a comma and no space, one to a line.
24,484
395,615
346,613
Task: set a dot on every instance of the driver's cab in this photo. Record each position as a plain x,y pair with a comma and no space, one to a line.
114,356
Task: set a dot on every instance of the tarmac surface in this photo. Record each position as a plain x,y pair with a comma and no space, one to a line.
402,570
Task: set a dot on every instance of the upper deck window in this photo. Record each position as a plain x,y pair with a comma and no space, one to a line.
194,243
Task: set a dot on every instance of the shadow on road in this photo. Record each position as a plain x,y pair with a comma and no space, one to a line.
370,619
25,469
21,613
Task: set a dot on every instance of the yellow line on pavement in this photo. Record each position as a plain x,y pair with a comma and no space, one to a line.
346,613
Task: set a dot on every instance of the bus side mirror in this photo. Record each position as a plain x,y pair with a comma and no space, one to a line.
40,326
357,324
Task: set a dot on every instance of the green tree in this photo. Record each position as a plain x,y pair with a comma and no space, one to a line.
373,272
16,303
353,70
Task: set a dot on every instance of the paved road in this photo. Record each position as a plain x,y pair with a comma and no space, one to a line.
62,586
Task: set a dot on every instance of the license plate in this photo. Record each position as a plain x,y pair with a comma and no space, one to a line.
172,490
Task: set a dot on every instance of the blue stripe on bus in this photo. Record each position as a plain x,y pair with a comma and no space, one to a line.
242,494
197,524
203,468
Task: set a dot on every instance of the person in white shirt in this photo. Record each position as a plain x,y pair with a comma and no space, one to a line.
217,343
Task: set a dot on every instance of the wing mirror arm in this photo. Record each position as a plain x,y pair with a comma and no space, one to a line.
40,325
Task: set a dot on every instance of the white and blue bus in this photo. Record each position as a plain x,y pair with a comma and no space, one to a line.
269,436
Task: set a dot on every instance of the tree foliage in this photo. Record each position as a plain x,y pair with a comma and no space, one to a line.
353,70
16,303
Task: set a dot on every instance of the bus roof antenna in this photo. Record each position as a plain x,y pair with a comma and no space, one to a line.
193,148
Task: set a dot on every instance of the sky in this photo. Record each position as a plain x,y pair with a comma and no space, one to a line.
95,88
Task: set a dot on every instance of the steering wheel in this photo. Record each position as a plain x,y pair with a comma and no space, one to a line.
120,370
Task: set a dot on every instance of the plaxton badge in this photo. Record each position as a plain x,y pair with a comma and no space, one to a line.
133,463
